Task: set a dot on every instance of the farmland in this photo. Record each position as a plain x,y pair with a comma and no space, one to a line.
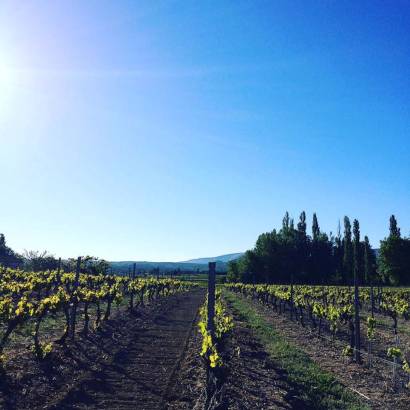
82,341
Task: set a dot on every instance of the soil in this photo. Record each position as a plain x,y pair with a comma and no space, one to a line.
188,390
135,361
253,380
372,383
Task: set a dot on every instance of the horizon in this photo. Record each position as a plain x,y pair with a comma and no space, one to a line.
163,132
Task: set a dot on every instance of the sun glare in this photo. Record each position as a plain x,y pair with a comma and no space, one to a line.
6,76
7,91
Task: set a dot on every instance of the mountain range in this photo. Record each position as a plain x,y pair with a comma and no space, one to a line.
192,265
222,258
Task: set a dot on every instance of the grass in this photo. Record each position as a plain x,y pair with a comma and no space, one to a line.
317,388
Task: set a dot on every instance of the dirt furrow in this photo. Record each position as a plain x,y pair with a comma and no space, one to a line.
142,361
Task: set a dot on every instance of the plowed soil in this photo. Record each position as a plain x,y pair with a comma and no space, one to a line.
133,362
254,381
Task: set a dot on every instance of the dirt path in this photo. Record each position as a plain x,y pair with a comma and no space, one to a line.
138,360
253,379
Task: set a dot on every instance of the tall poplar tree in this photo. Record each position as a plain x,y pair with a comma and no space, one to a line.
338,255
394,230
356,251
347,252
368,265
394,261
286,221
302,224
315,228
302,249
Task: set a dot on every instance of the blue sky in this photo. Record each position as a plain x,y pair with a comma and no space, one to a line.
172,130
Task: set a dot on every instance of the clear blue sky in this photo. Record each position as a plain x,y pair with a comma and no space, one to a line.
178,129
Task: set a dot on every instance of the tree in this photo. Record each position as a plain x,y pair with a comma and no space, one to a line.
370,274
394,230
8,257
286,221
315,228
356,251
347,251
302,246
233,274
291,255
302,224
39,261
394,260
338,256
321,260
89,264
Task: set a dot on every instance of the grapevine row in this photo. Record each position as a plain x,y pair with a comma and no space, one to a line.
31,296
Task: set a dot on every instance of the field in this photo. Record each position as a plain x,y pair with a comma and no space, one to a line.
76,341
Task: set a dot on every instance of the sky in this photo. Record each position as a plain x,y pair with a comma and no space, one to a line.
170,130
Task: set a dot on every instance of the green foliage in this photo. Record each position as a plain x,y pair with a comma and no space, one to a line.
394,229
371,327
370,266
233,274
394,352
394,261
315,228
356,250
39,261
8,257
347,252
288,254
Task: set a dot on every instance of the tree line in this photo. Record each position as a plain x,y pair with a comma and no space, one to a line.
42,261
292,255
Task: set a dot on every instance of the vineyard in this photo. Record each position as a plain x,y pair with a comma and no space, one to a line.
329,313
80,340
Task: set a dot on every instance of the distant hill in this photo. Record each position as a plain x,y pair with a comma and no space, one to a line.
194,265
222,258
145,266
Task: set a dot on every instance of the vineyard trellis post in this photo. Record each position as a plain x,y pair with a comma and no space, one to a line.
211,299
59,271
357,357
356,269
372,298
211,374
75,299
291,297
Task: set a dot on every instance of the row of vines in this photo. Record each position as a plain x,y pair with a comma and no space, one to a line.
330,311
28,299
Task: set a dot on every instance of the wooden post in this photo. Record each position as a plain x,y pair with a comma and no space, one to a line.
59,271
291,297
133,270
357,343
211,299
372,299
75,299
